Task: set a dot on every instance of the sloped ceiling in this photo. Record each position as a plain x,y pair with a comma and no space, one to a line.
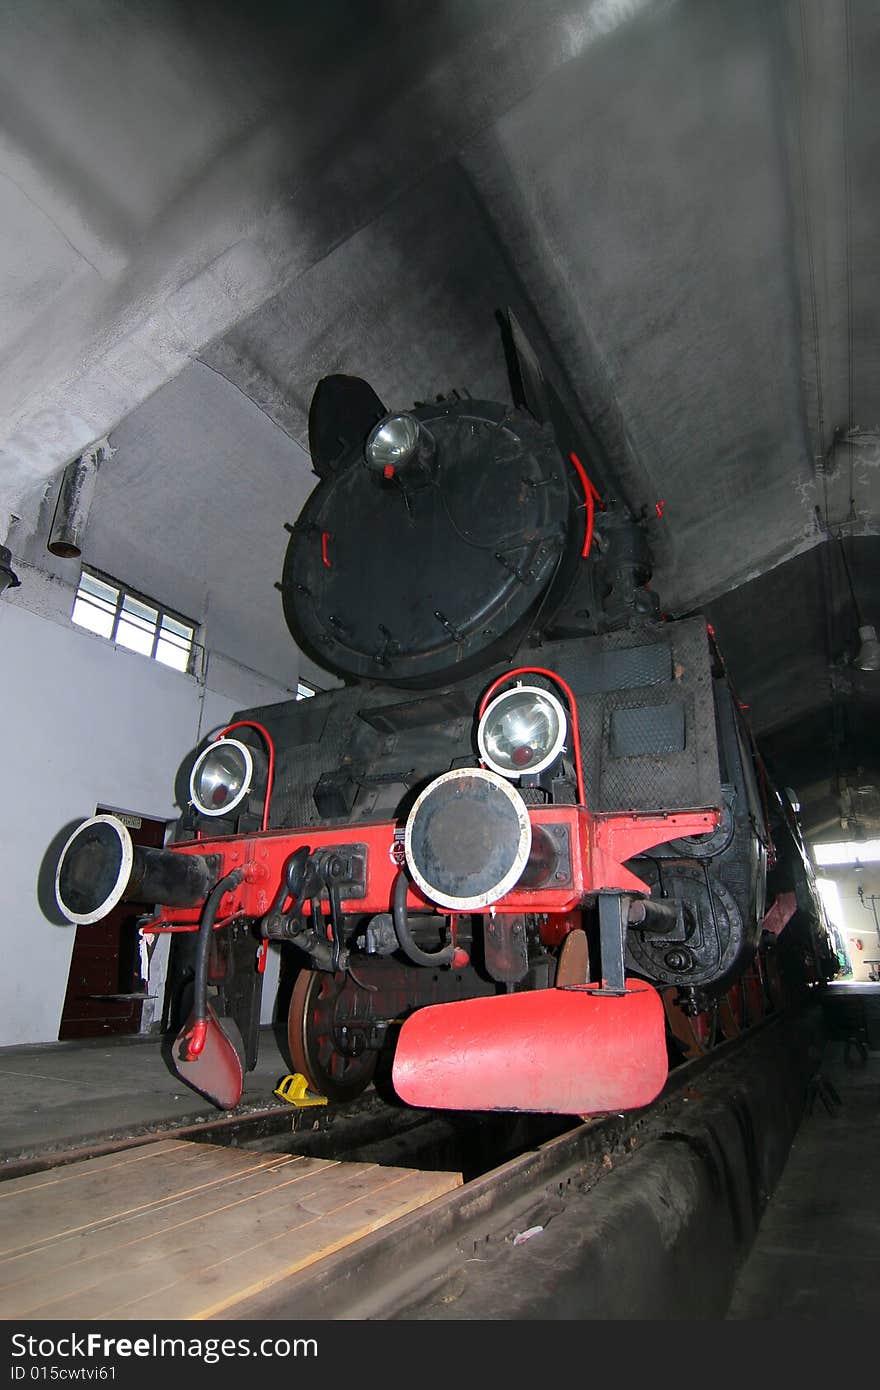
678,199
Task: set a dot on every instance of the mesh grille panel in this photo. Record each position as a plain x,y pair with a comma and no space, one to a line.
653,730
674,672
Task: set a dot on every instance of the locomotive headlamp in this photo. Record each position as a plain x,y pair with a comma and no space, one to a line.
221,777
522,731
393,443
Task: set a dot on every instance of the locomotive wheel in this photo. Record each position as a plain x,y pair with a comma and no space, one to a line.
573,967
754,993
695,1035
704,1029
318,1009
777,992
732,1012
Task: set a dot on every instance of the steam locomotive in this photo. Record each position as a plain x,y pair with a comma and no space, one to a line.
523,850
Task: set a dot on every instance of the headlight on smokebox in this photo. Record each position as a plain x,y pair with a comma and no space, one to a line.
522,732
224,775
401,445
393,442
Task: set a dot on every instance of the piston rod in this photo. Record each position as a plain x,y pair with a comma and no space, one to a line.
645,914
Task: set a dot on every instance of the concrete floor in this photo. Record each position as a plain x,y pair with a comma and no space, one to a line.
63,1096
817,1252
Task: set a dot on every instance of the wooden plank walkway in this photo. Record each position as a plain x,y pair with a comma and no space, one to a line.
182,1230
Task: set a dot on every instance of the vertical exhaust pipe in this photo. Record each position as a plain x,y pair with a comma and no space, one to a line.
75,502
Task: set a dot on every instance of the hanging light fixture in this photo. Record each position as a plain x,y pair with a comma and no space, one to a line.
867,658
8,578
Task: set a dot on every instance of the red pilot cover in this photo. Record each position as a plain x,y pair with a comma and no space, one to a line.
557,1051
217,1072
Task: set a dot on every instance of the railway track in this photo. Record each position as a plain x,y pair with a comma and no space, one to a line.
370,1129
647,1214
619,1206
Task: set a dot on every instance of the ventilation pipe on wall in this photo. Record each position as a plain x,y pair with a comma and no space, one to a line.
75,501
867,658
8,578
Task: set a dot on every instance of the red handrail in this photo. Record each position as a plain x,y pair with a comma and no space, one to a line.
591,497
270,775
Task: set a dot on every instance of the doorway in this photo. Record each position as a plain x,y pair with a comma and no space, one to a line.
105,988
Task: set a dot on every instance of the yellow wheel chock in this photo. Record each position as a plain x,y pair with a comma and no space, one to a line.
295,1090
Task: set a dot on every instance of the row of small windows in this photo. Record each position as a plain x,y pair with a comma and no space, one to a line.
116,613
133,621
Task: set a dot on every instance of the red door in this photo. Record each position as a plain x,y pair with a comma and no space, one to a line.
105,991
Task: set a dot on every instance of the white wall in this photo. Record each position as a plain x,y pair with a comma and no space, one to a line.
85,723
858,924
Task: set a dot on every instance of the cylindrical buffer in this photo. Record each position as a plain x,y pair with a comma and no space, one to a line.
467,839
100,867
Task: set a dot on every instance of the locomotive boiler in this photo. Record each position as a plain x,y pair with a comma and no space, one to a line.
519,856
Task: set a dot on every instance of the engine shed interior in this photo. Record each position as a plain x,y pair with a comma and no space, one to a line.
613,264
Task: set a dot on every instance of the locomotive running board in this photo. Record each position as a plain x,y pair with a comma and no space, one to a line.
568,1051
